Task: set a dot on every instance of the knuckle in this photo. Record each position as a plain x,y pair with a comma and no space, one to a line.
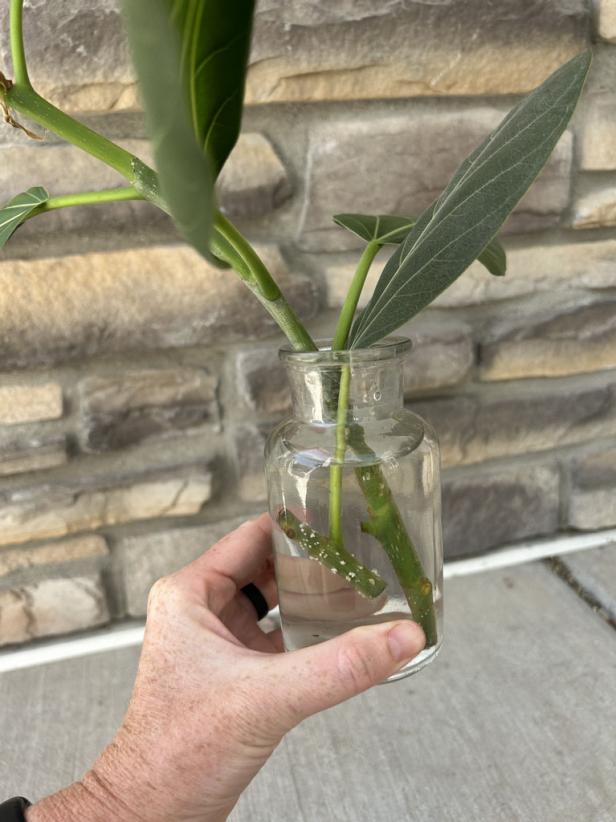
357,666
160,593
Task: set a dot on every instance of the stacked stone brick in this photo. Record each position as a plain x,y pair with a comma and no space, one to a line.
138,383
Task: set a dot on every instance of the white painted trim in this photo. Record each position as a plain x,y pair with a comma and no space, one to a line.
115,638
110,640
529,552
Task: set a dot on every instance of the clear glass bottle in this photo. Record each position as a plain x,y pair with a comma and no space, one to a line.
354,490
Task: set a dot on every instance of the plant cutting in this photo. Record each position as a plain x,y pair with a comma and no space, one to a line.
353,476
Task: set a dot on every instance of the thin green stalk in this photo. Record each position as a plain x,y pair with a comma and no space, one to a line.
340,337
349,307
88,198
336,469
20,69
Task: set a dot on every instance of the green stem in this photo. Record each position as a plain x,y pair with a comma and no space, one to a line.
385,524
336,469
26,100
349,307
236,249
332,555
88,198
20,69
340,338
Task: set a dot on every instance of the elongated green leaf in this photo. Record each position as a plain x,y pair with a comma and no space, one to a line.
389,229
185,171
18,209
485,189
215,41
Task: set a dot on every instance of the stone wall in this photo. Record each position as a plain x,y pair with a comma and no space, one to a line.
138,383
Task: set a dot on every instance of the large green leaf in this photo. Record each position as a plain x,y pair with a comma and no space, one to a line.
482,193
19,209
215,38
389,229
185,172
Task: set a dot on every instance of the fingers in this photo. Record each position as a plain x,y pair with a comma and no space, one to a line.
237,559
319,677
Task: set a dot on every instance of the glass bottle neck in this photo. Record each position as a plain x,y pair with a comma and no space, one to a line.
367,390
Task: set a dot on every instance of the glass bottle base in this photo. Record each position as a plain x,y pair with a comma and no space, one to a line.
305,634
427,656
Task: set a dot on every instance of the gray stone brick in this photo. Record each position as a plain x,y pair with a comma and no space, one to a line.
395,164
249,448
133,406
493,508
474,427
557,341
145,558
23,455
304,51
592,500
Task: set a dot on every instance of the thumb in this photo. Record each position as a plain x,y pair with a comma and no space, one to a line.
323,675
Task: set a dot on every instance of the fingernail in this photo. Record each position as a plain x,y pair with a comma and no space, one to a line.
405,640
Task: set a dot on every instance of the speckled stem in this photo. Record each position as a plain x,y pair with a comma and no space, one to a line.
332,555
385,524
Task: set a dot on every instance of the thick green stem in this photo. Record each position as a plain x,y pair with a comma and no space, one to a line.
332,555
385,524
26,100
254,272
351,301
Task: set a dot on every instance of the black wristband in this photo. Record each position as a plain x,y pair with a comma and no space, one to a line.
258,601
13,810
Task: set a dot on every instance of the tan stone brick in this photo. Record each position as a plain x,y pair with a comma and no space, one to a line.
54,606
557,341
23,403
64,552
53,511
33,455
605,11
143,298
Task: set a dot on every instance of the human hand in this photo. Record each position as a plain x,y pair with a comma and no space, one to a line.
213,696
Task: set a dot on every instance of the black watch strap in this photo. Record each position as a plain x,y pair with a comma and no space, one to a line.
13,810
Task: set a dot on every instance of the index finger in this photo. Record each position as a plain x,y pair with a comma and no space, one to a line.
232,562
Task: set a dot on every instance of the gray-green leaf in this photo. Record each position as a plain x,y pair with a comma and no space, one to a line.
483,192
390,229
19,209
185,171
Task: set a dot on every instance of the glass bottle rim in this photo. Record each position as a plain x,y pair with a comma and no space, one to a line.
391,348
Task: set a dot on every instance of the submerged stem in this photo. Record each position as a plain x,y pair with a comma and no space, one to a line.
332,555
386,525
336,470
